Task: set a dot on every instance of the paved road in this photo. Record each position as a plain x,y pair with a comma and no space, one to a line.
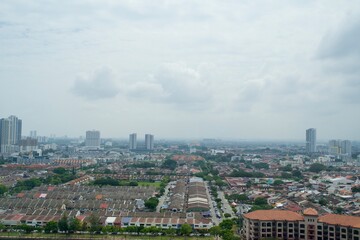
162,198
225,204
215,220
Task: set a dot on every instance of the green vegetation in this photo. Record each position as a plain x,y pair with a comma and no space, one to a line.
317,167
261,165
114,182
238,197
152,203
169,163
3,189
355,189
278,182
59,170
185,229
260,203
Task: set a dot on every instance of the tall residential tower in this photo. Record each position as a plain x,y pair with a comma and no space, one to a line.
92,139
132,141
149,142
10,134
311,140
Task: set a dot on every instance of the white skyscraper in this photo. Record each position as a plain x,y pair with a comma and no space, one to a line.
132,141
92,139
149,141
311,140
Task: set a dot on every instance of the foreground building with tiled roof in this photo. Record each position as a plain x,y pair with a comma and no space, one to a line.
282,224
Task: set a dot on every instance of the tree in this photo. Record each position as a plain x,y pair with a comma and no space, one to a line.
323,202
152,203
63,224
94,221
317,167
51,227
278,182
75,225
260,201
297,173
215,231
3,189
227,235
169,163
355,189
227,215
287,168
227,224
59,170
185,229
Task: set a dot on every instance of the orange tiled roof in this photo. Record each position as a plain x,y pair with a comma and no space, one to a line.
343,220
274,215
310,212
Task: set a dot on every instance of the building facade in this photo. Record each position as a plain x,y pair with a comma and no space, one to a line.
92,139
10,134
340,147
283,224
311,140
149,142
132,141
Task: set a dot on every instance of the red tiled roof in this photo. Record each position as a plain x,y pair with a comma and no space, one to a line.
274,215
103,205
343,220
310,212
20,195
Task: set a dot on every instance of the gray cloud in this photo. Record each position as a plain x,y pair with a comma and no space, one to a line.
174,83
99,85
343,42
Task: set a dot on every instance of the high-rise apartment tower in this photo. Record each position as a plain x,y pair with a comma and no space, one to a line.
92,139
311,140
149,141
132,141
10,134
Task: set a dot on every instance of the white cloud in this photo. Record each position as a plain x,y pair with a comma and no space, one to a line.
99,85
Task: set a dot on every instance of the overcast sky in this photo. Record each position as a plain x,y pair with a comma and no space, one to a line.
182,69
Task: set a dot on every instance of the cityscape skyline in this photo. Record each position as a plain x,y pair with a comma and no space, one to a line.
34,134
182,69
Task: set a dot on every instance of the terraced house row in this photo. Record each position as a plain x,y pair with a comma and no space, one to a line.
283,224
161,221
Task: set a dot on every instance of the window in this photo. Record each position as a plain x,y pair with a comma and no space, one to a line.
343,230
319,227
356,231
269,224
279,224
302,225
263,224
291,225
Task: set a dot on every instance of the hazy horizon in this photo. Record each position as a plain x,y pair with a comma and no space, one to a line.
182,69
